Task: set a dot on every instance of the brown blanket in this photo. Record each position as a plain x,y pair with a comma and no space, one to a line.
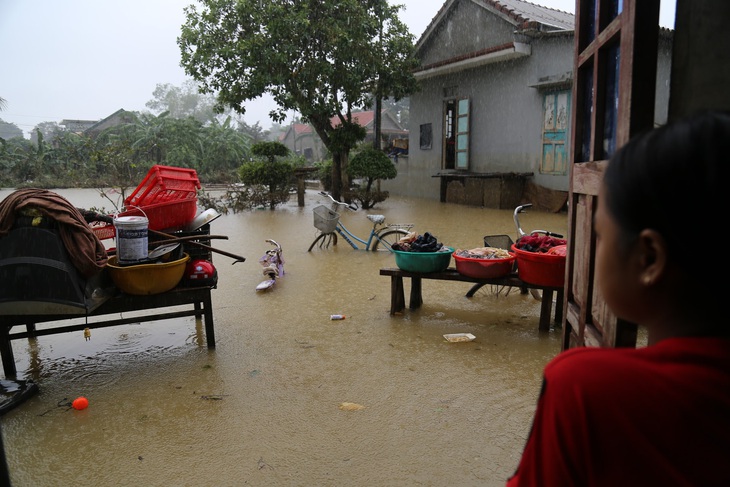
85,250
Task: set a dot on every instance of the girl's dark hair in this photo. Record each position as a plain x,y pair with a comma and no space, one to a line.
672,179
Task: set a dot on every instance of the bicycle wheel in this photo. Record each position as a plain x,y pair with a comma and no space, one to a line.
385,240
488,290
324,240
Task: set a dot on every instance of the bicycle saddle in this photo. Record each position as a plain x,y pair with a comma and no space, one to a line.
376,218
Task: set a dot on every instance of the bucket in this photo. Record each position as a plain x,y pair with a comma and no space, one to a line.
132,245
539,268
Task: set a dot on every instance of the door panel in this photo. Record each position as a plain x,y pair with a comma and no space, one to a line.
462,135
554,131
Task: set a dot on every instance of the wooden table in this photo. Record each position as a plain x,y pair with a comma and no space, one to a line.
397,294
197,299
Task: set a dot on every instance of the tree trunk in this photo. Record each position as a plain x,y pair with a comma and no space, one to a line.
377,122
344,161
336,176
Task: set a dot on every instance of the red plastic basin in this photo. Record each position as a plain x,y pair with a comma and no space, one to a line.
539,268
484,268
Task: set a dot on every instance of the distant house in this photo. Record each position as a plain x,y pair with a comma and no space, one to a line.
303,140
92,128
77,126
119,117
492,118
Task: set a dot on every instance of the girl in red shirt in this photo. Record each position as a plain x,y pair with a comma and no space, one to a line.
658,415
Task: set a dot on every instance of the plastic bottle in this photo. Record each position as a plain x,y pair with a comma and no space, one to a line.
337,317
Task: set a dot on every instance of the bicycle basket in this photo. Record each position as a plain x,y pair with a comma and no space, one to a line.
325,219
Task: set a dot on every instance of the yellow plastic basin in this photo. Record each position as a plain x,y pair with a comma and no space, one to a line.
143,279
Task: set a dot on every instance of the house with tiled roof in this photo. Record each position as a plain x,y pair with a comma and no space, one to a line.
76,126
92,128
303,140
491,124
120,117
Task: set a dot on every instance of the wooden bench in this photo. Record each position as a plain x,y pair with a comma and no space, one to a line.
197,299
397,294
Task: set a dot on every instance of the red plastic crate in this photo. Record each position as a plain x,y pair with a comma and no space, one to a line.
171,215
164,184
167,215
103,230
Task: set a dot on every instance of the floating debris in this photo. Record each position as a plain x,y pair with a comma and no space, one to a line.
459,337
351,406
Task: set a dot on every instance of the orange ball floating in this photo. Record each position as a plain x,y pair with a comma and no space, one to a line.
80,403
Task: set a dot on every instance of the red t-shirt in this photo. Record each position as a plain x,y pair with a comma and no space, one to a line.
653,416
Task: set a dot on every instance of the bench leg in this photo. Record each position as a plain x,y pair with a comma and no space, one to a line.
546,310
559,307
208,312
6,350
416,296
397,297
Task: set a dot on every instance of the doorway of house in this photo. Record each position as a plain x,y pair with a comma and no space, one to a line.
449,146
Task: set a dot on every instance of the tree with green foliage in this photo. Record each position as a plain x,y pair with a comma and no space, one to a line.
268,178
9,130
323,59
255,131
183,102
371,165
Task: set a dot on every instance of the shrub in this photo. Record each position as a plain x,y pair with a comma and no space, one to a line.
370,164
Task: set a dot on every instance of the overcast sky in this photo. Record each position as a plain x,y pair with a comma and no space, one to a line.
86,59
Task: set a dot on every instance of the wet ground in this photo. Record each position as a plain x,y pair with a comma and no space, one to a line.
268,405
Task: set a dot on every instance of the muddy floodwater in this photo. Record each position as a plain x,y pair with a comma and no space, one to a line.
265,407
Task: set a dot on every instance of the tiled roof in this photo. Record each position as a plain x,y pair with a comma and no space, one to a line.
364,119
525,12
522,14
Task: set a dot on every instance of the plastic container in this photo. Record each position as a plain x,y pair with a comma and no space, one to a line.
484,268
423,261
103,230
132,243
539,268
144,279
170,215
164,184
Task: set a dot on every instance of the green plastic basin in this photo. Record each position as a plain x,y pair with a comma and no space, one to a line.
423,261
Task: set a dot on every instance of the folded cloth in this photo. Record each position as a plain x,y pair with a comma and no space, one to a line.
85,250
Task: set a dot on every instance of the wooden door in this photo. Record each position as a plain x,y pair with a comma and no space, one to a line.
613,99
556,106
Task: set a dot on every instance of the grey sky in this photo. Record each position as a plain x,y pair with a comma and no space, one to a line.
86,59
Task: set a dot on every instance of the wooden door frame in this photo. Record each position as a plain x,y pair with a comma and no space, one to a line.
587,321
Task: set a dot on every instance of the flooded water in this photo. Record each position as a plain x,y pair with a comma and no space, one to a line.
264,407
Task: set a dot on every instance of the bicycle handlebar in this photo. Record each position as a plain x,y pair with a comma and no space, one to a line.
351,206
520,233
273,242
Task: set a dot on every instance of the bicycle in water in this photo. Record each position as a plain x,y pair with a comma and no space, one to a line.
273,266
505,242
382,236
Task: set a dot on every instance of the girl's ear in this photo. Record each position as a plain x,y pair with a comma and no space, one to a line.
653,256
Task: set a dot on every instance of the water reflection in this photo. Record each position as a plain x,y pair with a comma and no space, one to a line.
262,408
